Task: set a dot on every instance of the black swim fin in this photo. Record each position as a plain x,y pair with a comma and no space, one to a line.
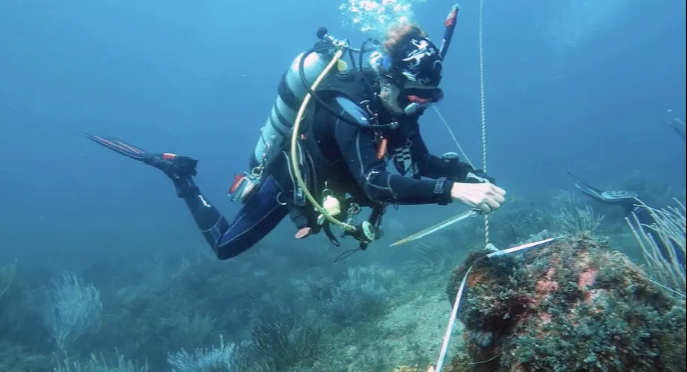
610,197
174,166
587,188
119,146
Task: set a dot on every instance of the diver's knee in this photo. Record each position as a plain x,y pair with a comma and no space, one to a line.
225,254
229,251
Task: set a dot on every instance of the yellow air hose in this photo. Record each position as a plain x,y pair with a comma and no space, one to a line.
294,139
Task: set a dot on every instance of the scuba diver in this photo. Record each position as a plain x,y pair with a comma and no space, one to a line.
321,164
632,207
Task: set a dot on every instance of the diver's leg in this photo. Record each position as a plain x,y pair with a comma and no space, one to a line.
255,220
260,215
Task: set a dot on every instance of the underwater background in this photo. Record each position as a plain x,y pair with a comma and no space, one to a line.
582,86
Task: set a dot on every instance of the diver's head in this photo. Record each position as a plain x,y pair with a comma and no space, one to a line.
409,68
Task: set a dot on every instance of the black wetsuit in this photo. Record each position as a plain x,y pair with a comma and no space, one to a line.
356,169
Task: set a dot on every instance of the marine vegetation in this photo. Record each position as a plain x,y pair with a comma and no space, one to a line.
581,303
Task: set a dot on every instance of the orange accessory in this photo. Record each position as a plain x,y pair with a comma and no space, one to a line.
381,149
237,182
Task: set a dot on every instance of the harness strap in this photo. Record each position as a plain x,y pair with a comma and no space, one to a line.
328,230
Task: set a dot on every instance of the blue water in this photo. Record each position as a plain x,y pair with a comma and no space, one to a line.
570,85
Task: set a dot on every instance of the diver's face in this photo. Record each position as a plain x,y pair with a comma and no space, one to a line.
389,96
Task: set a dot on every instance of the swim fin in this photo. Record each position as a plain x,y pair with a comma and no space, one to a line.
174,166
611,197
587,188
119,146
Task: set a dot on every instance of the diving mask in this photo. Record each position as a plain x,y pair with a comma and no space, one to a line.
413,100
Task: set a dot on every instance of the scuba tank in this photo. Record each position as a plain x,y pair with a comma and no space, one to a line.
291,93
293,87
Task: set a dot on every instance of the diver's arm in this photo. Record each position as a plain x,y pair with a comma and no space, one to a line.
432,166
359,151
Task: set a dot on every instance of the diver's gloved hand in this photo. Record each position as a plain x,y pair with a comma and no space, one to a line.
484,196
477,176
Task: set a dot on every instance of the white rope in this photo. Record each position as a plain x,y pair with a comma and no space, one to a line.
483,110
460,148
451,322
459,295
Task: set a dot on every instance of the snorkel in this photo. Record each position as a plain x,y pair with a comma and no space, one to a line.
450,25
421,103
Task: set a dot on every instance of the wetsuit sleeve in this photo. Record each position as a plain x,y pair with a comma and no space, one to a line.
360,153
432,166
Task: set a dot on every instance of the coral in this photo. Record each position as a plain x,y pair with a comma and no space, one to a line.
356,298
573,305
72,310
281,338
204,360
100,364
663,244
582,220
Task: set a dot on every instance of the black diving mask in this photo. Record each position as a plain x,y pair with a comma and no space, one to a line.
413,99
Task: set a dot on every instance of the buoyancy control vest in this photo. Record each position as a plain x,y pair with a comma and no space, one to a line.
272,154
316,169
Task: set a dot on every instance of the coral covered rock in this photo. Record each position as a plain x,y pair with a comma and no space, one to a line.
572,305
